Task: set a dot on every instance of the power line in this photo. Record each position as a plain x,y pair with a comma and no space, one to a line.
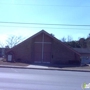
45,24
45,27
43,5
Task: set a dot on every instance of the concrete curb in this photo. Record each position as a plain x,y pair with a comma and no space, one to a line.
58,69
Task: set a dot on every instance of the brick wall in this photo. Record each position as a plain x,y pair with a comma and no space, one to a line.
22,52
62,54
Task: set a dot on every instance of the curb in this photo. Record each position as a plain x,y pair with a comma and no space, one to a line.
58,69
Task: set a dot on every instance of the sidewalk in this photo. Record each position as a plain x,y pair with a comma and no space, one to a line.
37,67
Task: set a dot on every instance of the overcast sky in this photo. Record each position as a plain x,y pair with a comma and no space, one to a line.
44,11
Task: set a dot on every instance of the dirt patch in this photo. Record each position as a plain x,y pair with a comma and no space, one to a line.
12,63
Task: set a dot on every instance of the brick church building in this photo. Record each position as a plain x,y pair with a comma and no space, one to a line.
43,48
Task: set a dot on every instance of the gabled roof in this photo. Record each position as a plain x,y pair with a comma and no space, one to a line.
50,35
82,50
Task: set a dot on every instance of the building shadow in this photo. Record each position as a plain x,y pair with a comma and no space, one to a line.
59,65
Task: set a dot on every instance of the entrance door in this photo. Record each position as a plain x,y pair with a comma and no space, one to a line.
9,57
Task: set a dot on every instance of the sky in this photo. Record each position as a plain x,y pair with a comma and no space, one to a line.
75,12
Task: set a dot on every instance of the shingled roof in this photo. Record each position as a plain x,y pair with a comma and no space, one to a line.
82,50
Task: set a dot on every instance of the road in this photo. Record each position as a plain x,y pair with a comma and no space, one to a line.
31,79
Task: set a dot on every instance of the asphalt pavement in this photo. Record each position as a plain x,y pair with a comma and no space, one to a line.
31,79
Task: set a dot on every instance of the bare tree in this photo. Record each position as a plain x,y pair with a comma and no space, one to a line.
82,43
13,41
69,38
88,35
63,39
1,45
